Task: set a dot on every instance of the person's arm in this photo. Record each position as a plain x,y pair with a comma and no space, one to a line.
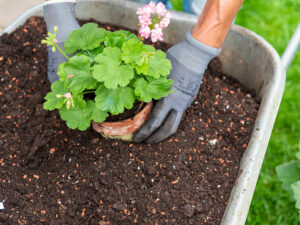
189,60
215,21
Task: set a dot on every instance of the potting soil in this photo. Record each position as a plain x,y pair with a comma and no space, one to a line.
50,174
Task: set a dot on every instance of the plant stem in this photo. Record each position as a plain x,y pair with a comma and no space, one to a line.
62,52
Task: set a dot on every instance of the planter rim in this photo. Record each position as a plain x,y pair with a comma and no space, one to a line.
123,129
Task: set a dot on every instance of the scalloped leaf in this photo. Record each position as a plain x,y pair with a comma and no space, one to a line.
133,51
156,89
114,101
88,37
92,54
118,38
127,34
110,69
159,65
61,73
98,115
52,101
288,174
296,193
78,72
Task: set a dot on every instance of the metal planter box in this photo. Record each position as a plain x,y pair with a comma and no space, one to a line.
245,56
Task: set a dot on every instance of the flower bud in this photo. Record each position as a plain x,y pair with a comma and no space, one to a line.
68,104
70,76
68,95
59,96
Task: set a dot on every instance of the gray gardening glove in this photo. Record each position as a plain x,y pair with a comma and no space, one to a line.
60,13
189,60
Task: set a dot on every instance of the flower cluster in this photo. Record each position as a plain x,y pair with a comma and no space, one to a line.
152,20
51,39
68,99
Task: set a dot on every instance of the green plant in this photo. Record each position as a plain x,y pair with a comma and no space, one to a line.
289,175
115,68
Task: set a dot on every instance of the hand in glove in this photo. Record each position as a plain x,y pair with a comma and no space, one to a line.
60,13
189,60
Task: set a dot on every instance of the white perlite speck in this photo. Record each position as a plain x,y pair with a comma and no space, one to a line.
1,206
213,142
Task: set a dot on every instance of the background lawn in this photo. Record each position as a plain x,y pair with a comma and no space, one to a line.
275,20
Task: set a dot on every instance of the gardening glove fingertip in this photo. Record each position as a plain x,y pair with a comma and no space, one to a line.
168,128
157,117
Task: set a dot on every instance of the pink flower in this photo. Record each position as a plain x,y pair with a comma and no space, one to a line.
144,31
147,9
166,20
145,20
152,20
152,6
161,9
140,11
68,95
156,34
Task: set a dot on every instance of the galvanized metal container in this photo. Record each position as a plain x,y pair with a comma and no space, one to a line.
245,56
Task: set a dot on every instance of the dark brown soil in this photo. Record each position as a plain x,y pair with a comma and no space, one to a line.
50,174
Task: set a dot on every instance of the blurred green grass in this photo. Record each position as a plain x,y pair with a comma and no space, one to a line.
276,20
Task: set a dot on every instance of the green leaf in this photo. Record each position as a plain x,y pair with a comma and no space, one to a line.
79,76
92,54
133,51
126,34
149,48
298,156
114,40
88,37
80,117
110,69
98,115
288,174
61,73
296,193
114,101
118,38
76,117
79,101
159,65
52,100
152,63
143,69
155,89
177,5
